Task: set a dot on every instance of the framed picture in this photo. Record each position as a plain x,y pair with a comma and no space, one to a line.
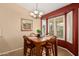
26,24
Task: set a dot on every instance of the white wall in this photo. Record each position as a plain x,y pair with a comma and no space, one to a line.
10,26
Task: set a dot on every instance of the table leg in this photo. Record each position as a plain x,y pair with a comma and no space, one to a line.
56,49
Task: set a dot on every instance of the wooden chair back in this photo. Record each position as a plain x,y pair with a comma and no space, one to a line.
28,42
51,44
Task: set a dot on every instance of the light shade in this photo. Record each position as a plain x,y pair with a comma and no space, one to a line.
36,14
41,13
31,14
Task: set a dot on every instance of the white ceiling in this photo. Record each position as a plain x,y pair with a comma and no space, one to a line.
45,7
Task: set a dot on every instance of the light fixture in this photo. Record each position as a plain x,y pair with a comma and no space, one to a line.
36,13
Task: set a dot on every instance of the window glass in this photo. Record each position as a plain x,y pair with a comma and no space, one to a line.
43,27
59,27
51,26
69,27
56,26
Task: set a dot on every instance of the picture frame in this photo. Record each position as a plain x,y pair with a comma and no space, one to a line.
26,24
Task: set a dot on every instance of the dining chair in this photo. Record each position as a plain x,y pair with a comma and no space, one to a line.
28,44
50,46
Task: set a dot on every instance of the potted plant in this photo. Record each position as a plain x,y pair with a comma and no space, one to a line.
38,32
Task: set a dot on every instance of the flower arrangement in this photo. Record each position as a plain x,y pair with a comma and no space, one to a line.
38,31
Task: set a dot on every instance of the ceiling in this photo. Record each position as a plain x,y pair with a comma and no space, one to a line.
45,7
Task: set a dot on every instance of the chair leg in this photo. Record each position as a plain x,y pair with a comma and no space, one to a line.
47,52
53,51
25,50
31,52
50,51
41,50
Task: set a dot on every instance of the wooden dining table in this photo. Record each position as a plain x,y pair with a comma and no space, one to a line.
38,42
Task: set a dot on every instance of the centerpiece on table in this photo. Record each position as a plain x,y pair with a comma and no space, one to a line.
38,33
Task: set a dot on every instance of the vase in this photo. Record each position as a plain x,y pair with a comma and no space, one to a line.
38,35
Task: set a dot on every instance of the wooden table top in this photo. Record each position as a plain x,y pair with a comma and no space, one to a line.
43,39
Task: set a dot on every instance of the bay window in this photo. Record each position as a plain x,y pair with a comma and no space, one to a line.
56,26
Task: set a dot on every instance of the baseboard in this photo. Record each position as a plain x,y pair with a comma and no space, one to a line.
10,51
66,50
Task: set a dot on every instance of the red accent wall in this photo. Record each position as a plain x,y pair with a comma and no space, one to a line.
63,11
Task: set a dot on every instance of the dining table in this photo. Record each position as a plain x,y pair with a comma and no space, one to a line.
39,41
